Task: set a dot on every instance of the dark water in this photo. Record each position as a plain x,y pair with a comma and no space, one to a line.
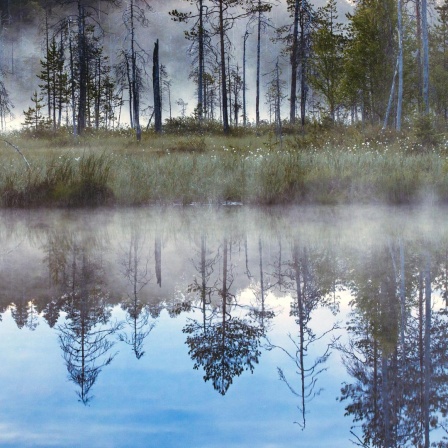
230,327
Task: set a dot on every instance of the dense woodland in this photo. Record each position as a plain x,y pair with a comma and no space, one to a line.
385,63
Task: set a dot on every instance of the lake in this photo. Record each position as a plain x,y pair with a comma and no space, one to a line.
224,327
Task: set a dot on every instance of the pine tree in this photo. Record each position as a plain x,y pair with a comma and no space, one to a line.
54,87
34,118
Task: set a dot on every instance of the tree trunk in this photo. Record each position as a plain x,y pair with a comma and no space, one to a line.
201,62
425,48
135,80
225,115
400,65
294,64
257,97
82,100
246,35
303,84
156,87
278,118
72,76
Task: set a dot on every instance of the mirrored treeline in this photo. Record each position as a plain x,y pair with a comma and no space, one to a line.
312,290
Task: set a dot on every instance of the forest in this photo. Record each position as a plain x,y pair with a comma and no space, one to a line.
272,81
383,64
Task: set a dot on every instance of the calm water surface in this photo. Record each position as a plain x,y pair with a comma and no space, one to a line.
229,327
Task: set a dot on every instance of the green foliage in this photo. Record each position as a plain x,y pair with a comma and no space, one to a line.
370,57
34,120
328,42
424,131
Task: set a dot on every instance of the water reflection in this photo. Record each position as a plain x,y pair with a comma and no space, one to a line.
135,271
223,343
76,272
253,295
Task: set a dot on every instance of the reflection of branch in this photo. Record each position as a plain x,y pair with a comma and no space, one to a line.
137,321
360,442
10,251
82,348
308,375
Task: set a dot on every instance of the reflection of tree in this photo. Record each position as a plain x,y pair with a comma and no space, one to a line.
25,314
398,363
373,354
260,311
158,259
301,278
224,345
85,335
136,272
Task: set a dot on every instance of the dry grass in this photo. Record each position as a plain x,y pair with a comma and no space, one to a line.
105,168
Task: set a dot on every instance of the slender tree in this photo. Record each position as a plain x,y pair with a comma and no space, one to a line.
156,88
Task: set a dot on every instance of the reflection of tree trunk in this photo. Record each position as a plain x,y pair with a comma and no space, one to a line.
375,381
260,251
203,285
246,253
402,300
385,399
301,322
224,302
420,336
156,87
158,257
427,348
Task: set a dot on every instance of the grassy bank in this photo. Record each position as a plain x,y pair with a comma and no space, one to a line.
324,168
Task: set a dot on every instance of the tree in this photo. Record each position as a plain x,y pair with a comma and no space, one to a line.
439,62
275,97
258,11
221,16
197,34
134,57
33,116
326,65
6,104
425,55
297,36
79,55
157,89
369,59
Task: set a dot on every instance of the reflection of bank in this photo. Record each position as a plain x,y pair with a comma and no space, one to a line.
223,344
85,336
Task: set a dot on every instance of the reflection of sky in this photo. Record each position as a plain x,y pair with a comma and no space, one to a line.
158,400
